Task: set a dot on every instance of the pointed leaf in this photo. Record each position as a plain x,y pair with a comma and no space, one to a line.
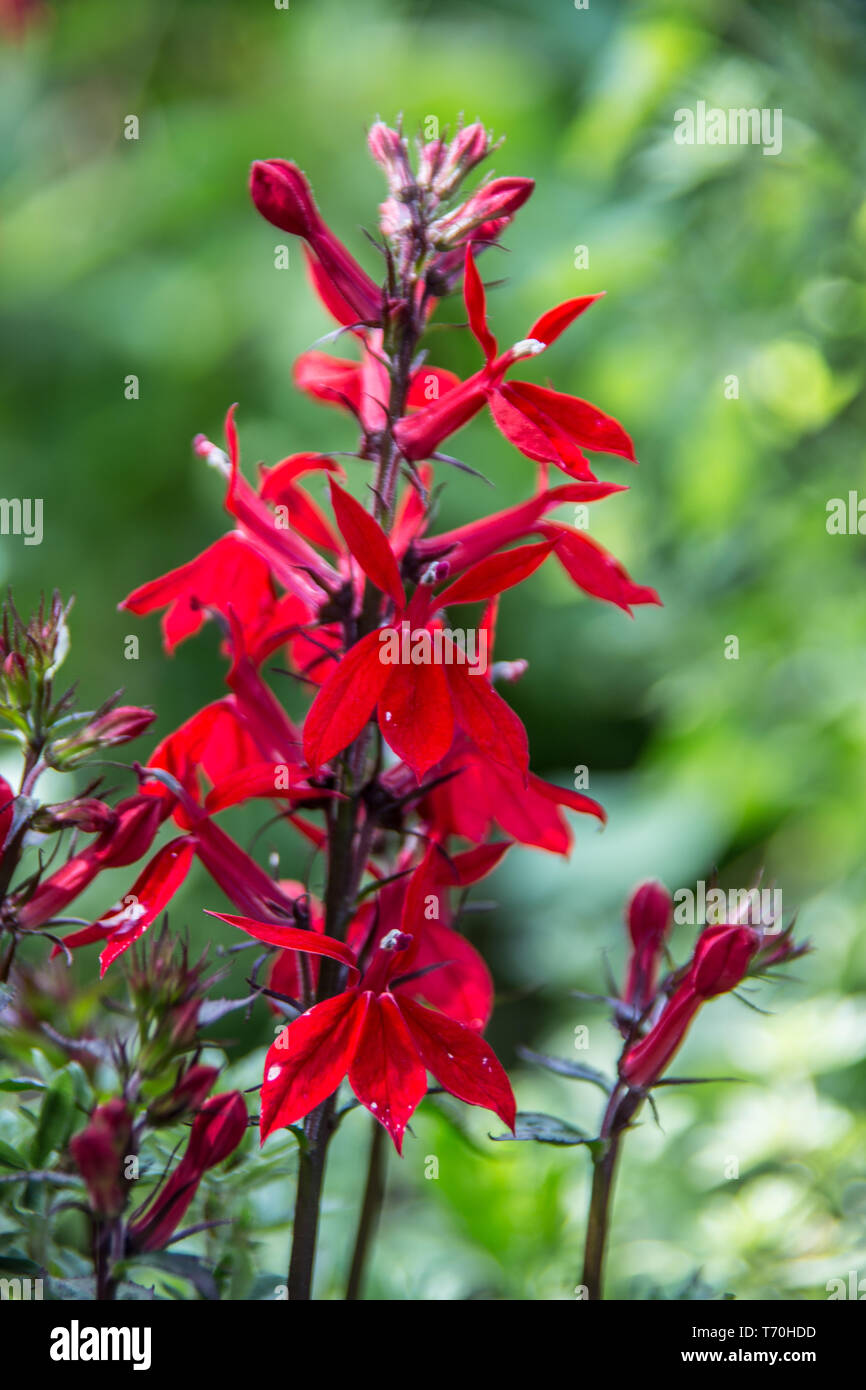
562,1066
545,1129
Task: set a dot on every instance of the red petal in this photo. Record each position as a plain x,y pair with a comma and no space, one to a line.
241,879
476,306
422,379
496,573
563,796
460,1060
368,543
229,571
488,720
528,817
152,891
598,572
309,1060
279,485
329,294
410,514
386,1073
536,436
345,701
291,938
461,985
475,864
415,715
580,421
333,380
479,538
548,328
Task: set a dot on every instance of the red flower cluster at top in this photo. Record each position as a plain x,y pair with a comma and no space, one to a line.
407,746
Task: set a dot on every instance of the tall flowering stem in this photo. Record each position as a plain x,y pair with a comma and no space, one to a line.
654,1018
416,763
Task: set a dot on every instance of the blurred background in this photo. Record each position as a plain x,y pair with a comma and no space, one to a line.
145,257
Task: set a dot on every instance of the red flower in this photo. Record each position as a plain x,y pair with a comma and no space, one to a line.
229,573
149,895
378,1036
720,962
419,706
543,424
448,973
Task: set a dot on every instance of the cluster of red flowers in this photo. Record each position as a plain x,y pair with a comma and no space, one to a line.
409,759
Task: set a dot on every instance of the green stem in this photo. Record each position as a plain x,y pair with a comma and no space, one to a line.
621,1110
603,1174
311,1177
374,1195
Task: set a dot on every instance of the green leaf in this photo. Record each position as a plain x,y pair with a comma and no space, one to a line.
563,1067
11,1158
16,1262
56,1118
545,1129
22,1083
187,1267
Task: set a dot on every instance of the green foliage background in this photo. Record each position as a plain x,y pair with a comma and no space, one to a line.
146,257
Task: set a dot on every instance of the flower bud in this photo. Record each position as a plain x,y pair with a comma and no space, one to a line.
721,959
16,681
389,149
394,218
501,198
85,813
216,1132
430,159
467,149
182,1024
649,917
720,962
105,730
7,812
99,1151
188,1093
138,819
282,195
119,725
